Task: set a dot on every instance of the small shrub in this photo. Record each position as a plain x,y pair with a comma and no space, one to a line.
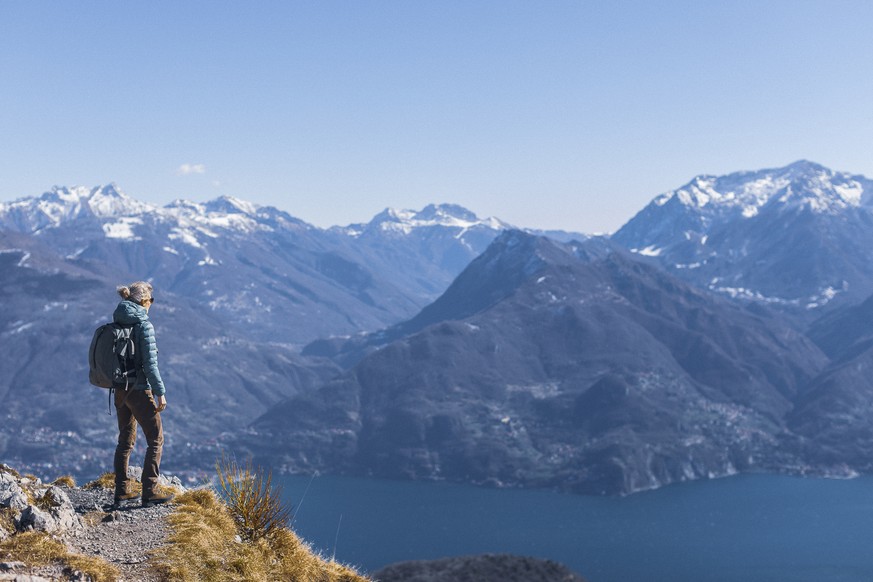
255,505
65,481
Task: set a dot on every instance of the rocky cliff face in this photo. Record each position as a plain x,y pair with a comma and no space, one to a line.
552,365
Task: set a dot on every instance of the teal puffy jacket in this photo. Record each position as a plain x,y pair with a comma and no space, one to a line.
148,377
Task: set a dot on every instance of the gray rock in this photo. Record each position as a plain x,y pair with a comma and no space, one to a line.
11,494
63,511
35,518
23,578
61,517
7,566
135,473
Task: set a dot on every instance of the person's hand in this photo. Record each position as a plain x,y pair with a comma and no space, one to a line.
162,402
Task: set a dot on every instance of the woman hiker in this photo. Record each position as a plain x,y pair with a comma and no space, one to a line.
141,402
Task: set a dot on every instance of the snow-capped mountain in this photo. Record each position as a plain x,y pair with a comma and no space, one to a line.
426,249
404,222
62,205
248,264
793,237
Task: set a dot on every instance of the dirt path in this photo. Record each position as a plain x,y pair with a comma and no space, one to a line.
125,537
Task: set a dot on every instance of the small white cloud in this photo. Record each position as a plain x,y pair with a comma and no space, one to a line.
216,183
188,169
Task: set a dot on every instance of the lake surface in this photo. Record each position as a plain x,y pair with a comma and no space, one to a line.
748,528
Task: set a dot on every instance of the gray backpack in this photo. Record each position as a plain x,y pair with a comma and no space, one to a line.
112,357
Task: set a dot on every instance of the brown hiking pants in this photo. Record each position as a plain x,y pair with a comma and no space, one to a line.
138,406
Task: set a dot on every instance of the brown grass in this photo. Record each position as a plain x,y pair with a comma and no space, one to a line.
202,546
104,481
65,481
10,470
39,549
45,502
7,514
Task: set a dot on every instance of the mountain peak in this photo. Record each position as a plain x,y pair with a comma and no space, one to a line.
63,203
442,212
405,221
230,205
803,184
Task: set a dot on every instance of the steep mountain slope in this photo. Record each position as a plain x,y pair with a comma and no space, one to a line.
834,414
796,238
548,365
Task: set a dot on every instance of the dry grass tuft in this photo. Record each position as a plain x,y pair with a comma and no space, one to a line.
104,481
65,481
7,469
203,546
255,505
45,502
39,549
7,515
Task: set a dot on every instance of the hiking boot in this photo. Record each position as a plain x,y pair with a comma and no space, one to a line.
152,501
121,497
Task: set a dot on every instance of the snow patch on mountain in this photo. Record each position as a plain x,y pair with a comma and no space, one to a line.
25,256
802,184
649,251
405,221
123,229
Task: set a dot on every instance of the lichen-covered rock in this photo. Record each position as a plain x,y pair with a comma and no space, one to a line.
35,518
135,473
11,494
58,516
62,510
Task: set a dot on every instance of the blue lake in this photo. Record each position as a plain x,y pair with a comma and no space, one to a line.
748,528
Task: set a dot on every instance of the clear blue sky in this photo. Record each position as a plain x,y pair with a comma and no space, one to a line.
546,114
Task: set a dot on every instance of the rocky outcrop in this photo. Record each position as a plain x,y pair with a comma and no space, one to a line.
11,494
36,506
57,513
80,521
484,568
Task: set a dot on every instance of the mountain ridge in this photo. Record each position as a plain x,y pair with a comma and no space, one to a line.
597,374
